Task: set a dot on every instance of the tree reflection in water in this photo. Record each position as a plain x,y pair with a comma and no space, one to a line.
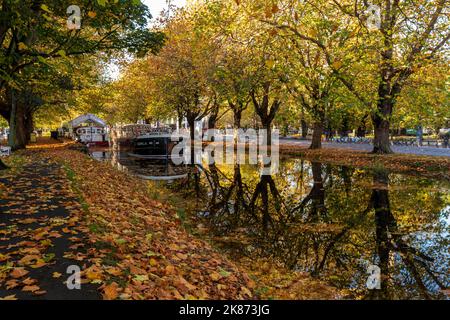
334,222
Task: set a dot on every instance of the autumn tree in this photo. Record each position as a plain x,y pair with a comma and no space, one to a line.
181,74
32,33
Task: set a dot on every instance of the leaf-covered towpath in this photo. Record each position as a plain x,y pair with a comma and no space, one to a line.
59,207
40,234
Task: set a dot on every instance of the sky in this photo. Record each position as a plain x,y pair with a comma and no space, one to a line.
156,6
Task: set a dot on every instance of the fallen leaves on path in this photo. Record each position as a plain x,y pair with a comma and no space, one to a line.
139,248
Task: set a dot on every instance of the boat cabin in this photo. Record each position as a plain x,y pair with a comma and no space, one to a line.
89,129
155,145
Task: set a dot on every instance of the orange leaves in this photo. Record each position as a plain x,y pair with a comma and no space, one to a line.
271,10
114,271
32,288
11,284
110,292
18,273
27,221
138,241
170,269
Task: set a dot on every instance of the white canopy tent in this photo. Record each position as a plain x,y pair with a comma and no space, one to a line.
87,118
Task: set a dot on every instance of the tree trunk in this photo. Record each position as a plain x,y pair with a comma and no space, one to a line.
419,135
304,125
317,136
380,198
17,124
381,143
237,118
267,125
2,165
361,131
236,123
191,122
345,126
212,121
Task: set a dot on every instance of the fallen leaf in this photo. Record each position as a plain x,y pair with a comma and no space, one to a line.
31,288
110,291
18,273
215,276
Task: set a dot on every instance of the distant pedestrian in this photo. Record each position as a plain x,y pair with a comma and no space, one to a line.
446,139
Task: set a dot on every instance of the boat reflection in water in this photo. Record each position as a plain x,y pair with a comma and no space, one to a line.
145,152
142,167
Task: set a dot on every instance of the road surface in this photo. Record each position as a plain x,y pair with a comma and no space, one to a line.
424,151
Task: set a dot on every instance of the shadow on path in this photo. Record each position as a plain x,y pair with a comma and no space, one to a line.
40,236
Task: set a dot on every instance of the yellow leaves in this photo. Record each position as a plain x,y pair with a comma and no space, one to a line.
114,271
94,273
215,276
163,255
92,14
40,235
153,262
3,257
312,33
270,64
56,275
245,291
22,46
337,64
11,297
45,8
141,278
18,273
29,259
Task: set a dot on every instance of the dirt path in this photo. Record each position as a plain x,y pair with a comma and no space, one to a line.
39,235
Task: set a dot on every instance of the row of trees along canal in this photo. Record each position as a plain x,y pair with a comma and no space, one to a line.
286,61
280,60
42,61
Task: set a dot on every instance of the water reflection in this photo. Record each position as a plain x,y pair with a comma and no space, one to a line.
145,169
333,222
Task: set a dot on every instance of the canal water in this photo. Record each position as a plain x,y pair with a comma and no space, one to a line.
341,224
